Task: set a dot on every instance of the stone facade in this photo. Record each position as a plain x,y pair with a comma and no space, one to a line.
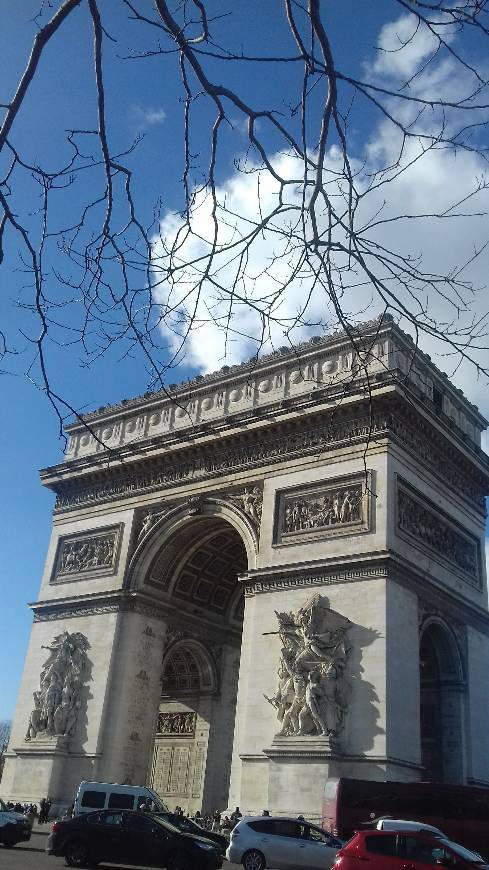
255,566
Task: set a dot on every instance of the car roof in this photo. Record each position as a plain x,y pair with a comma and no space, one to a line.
412,833
282,819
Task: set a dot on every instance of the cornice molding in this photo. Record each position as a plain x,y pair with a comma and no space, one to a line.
396,421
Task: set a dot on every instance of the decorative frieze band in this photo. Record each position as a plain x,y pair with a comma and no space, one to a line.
88,554
276,447
270,583
337,507
269,449
422,523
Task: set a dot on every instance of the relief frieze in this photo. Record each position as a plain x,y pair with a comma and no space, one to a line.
419,520
87,554
222,461
416,436
338,507
176,724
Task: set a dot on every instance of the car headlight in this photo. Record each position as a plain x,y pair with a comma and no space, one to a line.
206,846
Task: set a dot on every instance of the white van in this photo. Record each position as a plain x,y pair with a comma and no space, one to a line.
111,796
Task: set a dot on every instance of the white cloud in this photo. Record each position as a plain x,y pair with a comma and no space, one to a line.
148,116
431,184
403,46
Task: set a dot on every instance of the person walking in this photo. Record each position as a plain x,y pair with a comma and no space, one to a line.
42,811
236,815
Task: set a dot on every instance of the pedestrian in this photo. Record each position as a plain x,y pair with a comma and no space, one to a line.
227,824
216,821
236,815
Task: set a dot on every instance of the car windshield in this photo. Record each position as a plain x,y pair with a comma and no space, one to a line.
166,824
161,808
461,852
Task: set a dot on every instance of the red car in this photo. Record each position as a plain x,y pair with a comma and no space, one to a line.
403,850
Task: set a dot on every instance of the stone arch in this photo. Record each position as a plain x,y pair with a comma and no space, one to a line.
196,661
189,562
183,519
442,690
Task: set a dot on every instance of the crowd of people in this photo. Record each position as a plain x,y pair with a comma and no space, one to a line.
215,821
32,811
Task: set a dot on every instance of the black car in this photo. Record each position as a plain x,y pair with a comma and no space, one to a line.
188,826
14,827
128,837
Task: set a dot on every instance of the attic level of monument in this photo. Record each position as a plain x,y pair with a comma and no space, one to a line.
321,370
389,415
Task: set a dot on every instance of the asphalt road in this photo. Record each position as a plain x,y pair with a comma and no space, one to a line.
31,856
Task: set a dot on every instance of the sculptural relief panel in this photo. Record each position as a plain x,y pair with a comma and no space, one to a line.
176,724
420,521
58,700
313,693
89,554
338,507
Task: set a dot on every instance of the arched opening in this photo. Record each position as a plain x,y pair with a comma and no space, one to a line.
196,568
441,705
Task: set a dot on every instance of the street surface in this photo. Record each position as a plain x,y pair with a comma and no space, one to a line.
31,856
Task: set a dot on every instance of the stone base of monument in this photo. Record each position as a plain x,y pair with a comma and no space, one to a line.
298,769
45,745
310,745
40,770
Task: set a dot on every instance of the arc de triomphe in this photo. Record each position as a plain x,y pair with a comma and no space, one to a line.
272,577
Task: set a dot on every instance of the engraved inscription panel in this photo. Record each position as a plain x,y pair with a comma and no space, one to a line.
337,507
420,521
93,553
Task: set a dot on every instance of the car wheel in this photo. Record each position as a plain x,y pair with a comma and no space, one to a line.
180,861
9,842
253,860
76,854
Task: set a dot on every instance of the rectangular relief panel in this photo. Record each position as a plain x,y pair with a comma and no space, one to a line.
422,523
87,554
171,724
339,506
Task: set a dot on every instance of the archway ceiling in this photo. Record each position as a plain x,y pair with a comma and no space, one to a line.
201,566
210,575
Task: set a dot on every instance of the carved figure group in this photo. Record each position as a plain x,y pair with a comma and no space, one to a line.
423,524
149,520
312,691
87,553
333,508
251,500
176,723
57,702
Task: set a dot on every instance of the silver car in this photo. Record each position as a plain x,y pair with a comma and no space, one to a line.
281,843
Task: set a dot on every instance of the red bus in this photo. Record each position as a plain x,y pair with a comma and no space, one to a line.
461,812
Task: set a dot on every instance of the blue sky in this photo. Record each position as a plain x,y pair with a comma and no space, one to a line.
143,97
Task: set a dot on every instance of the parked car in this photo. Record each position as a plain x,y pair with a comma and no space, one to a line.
128,837
112,796
390,850
282,843
407,825
14,827
188,826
